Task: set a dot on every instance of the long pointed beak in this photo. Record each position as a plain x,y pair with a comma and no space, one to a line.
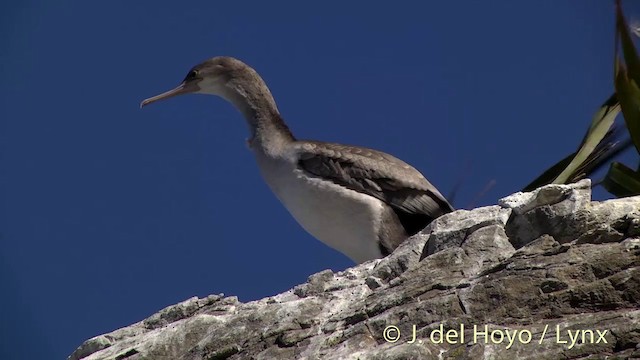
183,88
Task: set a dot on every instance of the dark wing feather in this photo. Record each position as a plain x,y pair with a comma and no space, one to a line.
411,196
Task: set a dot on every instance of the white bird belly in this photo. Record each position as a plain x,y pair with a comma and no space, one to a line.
344,219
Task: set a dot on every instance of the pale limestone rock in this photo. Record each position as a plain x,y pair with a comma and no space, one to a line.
547,262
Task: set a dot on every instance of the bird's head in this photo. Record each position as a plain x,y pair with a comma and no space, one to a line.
216,76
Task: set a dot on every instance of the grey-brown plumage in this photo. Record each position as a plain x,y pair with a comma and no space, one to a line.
411,197
360,201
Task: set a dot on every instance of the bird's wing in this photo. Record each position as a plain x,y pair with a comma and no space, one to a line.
374,173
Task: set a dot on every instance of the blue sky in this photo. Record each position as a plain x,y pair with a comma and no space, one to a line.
109,213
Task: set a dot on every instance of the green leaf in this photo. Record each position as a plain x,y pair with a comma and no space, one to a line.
628,48
600,126
622,181
611,146
608,149
629,97
549,174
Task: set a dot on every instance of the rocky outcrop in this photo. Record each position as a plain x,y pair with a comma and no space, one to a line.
543,275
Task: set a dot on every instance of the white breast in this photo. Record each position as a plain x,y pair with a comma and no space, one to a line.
343,219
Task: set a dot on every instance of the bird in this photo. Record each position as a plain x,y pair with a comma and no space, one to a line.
359,201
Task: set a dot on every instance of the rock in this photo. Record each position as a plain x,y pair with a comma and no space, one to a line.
543,275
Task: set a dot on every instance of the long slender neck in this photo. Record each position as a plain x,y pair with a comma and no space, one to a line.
253,99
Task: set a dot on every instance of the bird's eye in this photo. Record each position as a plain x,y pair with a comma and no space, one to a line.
192,74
